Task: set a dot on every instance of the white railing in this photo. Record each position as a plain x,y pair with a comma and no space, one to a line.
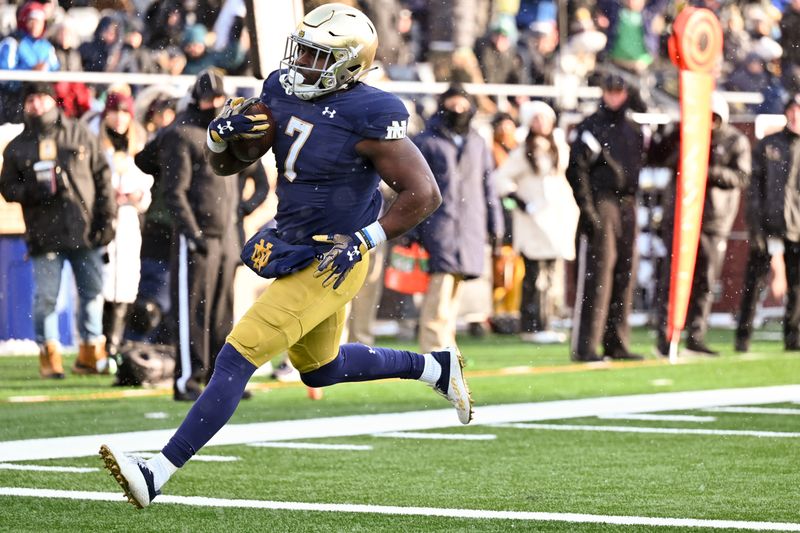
397,87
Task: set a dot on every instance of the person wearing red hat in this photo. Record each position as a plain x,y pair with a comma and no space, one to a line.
121,138
25,49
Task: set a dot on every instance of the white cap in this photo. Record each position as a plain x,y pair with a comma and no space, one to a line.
534,108
719,107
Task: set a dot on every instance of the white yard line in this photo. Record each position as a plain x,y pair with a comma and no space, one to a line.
671,431
344,426
435,436
312,446
756,410
43,468
659,418
575,518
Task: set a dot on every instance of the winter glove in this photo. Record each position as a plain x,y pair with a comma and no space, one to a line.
197,243
102,233
337,262
231,125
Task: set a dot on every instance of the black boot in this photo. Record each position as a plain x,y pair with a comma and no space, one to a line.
697,347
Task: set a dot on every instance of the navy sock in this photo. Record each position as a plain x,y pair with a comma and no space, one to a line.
357,362
213,408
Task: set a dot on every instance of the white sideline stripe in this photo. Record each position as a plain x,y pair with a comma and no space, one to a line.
312,446
43,468
200,458
671,431
579,518
434,436
756,410
346,426
660,418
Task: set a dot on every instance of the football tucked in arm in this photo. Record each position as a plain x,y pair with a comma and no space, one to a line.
251,149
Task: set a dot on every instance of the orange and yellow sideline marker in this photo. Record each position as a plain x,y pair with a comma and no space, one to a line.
695,47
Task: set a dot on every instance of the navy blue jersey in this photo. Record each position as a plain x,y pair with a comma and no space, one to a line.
324,186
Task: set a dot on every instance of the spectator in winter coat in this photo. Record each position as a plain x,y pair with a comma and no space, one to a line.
101,54
134,57
121,138
74,98
200,57
25,49
165,22
457,233
497,54
57,172
65,42
632,30
544,220
790,37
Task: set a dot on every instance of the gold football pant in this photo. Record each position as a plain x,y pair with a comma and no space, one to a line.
297,314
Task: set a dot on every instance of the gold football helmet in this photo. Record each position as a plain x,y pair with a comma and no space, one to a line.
343,41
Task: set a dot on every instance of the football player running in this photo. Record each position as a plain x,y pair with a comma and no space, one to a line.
335,139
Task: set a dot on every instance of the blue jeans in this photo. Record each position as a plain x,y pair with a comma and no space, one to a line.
87,269
154,282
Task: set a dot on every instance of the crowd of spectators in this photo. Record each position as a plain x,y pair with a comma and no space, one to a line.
515,42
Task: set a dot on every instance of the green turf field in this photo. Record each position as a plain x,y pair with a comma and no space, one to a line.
543,454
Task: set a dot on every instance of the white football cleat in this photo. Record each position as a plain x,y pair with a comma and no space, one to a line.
132,474
452,385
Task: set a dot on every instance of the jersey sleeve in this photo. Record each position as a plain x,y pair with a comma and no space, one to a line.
271,86
385,117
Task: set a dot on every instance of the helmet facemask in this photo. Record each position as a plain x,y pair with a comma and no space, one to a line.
333,74
341,39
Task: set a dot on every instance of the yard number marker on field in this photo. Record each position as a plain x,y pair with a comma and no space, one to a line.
576,518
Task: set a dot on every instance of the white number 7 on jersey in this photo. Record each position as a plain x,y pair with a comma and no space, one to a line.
295,125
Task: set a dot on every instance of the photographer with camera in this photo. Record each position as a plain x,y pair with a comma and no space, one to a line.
56,170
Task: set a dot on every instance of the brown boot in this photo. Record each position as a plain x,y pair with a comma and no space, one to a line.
92,358
50,365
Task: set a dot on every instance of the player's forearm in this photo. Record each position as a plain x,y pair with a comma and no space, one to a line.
409,209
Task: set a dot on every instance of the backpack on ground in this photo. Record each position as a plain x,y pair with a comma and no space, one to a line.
144,363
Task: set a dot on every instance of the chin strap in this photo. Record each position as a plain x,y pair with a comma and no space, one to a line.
363,73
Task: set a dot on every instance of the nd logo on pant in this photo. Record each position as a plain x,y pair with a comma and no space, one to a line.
260,255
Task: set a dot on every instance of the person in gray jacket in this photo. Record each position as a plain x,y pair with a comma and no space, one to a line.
456,234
